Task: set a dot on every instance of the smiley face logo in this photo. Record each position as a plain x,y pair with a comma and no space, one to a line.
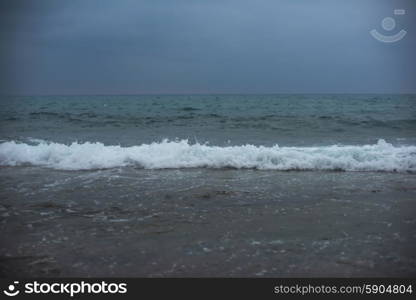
389,24
11,289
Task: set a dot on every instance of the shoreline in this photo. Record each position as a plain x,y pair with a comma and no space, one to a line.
207,223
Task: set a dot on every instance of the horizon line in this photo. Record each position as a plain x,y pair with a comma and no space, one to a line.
207,94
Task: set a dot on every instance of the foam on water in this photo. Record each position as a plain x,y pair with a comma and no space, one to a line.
181,154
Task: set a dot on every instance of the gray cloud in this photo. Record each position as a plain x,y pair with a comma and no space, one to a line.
185,46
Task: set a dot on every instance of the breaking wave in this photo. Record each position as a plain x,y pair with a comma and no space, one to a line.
181,154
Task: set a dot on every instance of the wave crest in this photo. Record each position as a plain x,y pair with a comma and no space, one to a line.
181,154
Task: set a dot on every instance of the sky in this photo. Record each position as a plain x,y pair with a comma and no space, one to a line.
212,46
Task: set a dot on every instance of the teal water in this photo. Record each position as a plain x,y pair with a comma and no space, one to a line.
287,120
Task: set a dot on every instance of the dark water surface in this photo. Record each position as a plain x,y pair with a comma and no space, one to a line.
88,187
201,222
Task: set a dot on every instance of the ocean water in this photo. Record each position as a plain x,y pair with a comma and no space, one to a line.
278,132
200,185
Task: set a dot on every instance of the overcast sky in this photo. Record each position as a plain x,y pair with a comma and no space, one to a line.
210,46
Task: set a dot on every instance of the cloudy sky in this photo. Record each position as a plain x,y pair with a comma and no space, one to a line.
204,46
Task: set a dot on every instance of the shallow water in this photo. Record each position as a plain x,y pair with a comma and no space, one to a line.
202,222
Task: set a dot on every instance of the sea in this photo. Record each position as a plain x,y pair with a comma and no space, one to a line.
208,185
268,132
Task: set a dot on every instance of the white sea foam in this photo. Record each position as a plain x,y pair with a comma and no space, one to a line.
181,154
